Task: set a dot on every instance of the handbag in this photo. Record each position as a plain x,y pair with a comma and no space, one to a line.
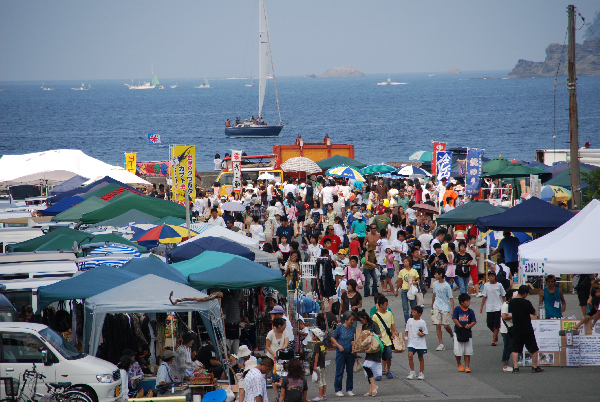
384,272
412,292
398,345
462,334
510,331
357,366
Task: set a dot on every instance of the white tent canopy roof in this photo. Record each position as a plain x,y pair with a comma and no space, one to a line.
148,294
219,231
54,166
571,248
122,175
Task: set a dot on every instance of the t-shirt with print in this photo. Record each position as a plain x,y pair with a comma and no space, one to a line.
464,261
417,264
464,317
388,318
414,339
321,349
404,274
382,222
442,259
494,294
381,246
294,388
443,294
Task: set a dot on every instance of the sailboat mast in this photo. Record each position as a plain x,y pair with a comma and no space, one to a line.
272,65
263,50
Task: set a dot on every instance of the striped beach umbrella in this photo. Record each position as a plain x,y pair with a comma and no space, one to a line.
300,164
346,172
114,255
162,234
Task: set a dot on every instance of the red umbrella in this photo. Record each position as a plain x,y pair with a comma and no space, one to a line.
426,207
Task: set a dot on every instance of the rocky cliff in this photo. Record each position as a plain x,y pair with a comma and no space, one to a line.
587,61
346,71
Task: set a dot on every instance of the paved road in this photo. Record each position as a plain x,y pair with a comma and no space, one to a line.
487,380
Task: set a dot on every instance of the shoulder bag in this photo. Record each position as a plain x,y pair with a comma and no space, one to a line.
397,342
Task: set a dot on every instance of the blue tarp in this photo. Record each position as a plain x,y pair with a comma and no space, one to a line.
209,243
532,215
85,285
154,266
62,205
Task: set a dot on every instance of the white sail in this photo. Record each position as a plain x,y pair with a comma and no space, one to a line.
263,56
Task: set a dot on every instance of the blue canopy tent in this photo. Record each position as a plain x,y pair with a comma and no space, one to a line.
212,269
154,266
532,215
87,284
63,205
72,183
196,247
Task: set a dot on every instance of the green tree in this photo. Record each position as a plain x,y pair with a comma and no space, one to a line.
593,180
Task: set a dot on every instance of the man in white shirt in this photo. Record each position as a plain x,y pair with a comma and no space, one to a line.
290,187
215,219
328,194
425,238
344,191
255,385
441,190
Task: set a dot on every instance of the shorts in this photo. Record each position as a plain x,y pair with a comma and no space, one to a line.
387,353
321,379
420,352
527,340
463,348
493,320
301,218
582,294
514,267
441,317
592,312
390,273
412,221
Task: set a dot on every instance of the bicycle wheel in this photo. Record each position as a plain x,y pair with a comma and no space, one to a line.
75,396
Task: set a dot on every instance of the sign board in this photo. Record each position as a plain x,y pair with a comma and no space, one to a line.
182,171
532,268
236,167
130,162
474,170
443,165
437,147
535,186
588,353
159,169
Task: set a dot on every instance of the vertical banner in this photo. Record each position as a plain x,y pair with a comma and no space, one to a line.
437,147
131,162
183,171
443,165
236,168
535,186
462,167
474,170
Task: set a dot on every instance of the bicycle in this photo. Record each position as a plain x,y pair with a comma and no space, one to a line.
57,391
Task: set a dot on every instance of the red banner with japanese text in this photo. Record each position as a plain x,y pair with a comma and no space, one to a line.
236,167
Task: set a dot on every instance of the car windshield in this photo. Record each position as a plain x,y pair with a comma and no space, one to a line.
61,345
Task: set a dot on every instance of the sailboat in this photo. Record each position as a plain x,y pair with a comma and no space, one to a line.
205,85
82,87
258,128
46,88
389,82
174,86
145,85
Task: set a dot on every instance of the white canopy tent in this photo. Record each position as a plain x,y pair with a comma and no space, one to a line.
219,231
570,249
120,174
148,294
50,167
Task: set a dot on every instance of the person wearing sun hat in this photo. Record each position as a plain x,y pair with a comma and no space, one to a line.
278,312
342,257
319,353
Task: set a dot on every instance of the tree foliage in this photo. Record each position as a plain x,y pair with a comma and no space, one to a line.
593,180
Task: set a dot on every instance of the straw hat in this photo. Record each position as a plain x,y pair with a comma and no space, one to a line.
354,236
250,364
243,351
357,215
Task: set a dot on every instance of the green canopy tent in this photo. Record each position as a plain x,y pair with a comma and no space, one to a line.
168,220
149,205
564,179
338,160
515,171
62,239
126,218
213,269
494,164
468,213
75,213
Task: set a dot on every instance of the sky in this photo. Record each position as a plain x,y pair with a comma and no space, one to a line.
108,39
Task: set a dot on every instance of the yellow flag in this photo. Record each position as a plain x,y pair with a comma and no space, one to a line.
131,162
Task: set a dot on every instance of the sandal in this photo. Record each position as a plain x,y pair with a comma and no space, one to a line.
493,343
515,370
374,393
367,394
537,370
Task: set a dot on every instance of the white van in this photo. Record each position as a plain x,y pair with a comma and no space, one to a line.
24,344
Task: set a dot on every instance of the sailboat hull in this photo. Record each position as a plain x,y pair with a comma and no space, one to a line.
253,131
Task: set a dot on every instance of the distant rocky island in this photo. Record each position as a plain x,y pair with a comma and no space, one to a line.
339,72
453,70
587,61
310,76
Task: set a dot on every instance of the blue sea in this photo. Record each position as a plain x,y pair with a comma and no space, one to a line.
511,117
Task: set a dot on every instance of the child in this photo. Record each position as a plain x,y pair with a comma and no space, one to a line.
354,245
294,386
494,295
464,319
416,329
382,244
443,304
411,214
593,303
319,363
389,265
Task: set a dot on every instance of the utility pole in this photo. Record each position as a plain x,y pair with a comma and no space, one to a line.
576,201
